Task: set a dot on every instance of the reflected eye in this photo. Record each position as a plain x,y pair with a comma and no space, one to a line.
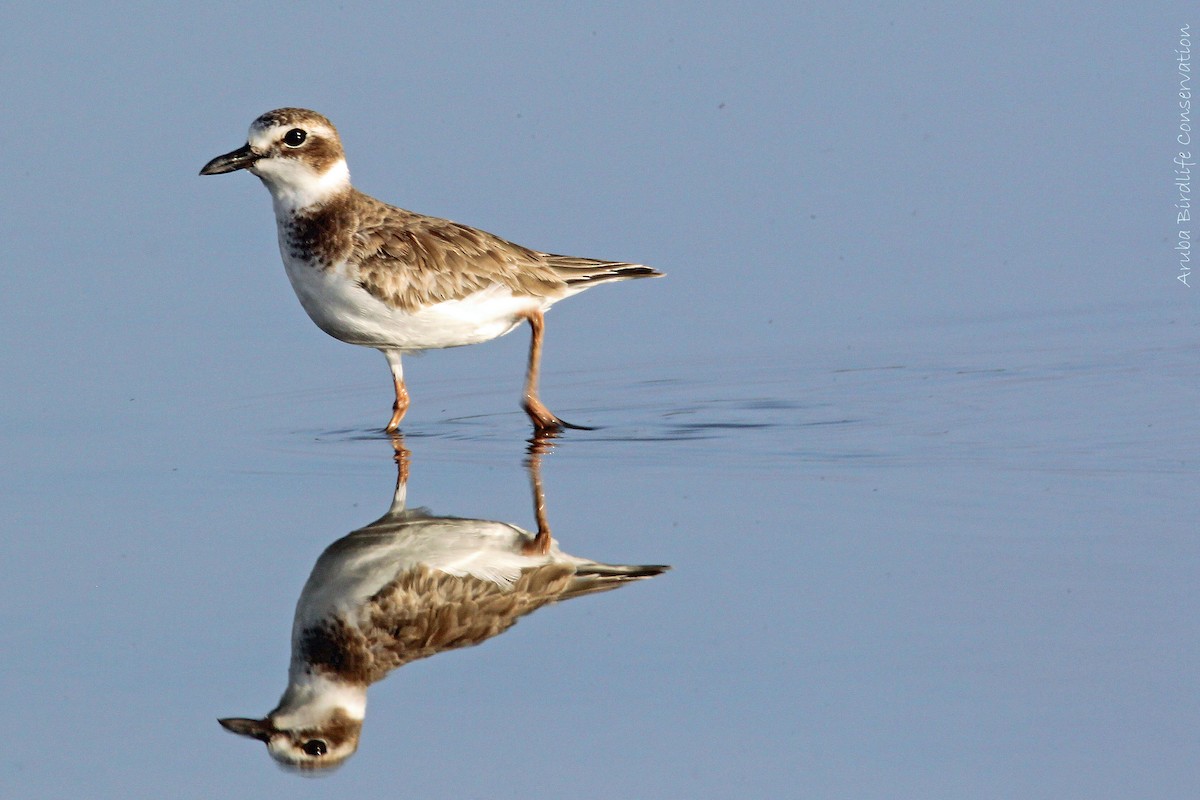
315,747
295,137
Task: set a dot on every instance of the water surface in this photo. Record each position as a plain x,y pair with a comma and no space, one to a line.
943,570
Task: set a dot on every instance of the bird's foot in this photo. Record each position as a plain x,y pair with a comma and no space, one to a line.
397,415
545,424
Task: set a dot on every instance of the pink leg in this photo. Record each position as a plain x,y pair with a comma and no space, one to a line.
401,404
543,421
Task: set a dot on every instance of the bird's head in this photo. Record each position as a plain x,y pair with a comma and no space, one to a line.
295,152
317,745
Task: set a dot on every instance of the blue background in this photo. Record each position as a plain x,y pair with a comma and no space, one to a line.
913,415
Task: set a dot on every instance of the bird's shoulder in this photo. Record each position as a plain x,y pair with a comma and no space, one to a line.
410,260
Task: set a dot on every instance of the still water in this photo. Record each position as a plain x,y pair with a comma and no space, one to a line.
957,563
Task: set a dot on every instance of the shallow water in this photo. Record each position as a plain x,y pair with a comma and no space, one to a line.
956,560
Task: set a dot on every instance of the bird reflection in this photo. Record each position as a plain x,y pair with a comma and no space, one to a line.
404,587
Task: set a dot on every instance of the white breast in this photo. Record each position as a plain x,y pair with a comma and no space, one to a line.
346,311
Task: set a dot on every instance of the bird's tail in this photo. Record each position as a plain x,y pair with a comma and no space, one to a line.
591,577
579,272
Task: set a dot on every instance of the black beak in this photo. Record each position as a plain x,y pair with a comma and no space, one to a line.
259,729
238,159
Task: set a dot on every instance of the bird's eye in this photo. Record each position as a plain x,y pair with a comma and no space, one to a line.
315,747
295,137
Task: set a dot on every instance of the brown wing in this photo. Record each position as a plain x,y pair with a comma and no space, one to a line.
408,260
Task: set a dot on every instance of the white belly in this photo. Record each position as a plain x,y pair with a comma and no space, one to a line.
346,311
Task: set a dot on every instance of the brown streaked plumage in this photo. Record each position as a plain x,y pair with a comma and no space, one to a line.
424,612
372,274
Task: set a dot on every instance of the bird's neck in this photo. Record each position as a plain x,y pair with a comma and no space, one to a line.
312,696
305,192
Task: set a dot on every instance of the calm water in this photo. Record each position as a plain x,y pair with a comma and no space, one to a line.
958,563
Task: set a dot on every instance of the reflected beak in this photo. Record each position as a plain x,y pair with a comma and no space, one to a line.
238,159
260,729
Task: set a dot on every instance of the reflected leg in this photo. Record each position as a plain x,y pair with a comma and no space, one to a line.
401,455
540,544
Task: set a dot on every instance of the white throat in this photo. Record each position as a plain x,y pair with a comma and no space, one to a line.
294,186
312,698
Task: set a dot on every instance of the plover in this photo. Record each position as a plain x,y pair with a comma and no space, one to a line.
379,276
408,586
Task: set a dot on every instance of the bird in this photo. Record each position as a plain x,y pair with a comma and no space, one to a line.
376,275
407,586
